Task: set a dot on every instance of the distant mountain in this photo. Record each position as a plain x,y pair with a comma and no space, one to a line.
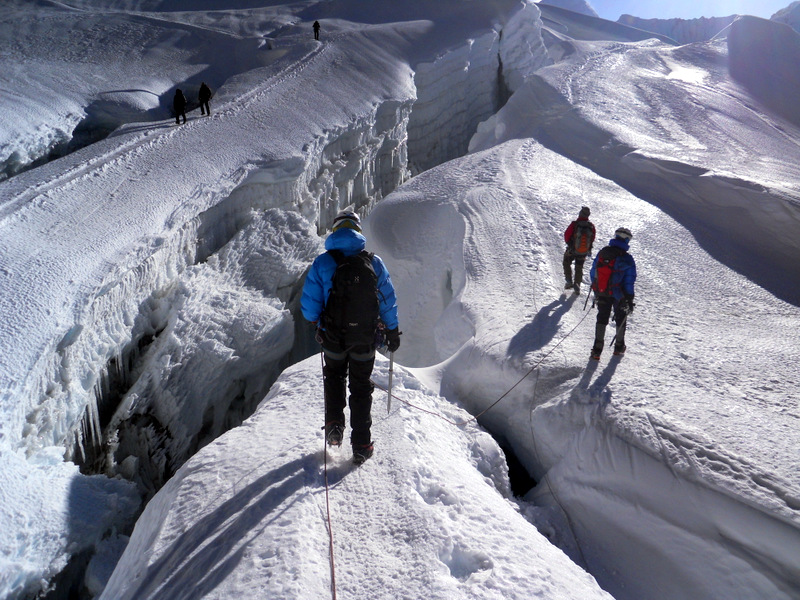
789,15
578,6
683,31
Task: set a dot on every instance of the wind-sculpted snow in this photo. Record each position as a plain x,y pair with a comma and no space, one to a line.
149,279
667,473
560,25
649,482
692,143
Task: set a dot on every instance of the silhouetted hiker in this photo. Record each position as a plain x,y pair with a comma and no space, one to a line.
346,293
204,96
179,106
579,237
613,277
316,30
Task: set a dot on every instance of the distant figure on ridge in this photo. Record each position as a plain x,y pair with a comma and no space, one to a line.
613,277
316,30
579,237
204,96
346,293
179,106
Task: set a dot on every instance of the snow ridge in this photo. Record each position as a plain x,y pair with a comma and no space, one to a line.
183,289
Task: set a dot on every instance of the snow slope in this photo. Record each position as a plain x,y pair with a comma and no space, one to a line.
657,495
114,275
692,141
428,516
649,457
789,15
148,285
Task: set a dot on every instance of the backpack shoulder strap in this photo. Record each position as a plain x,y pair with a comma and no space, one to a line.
612,251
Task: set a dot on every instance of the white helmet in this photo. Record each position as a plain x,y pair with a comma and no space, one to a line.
623,233
347,218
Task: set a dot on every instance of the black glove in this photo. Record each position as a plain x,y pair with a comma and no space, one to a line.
626,305
393,339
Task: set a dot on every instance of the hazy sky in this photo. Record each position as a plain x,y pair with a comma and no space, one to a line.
686,9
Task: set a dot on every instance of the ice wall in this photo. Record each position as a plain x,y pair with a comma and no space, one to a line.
651,507
467,84
113,352
181,348
643,494
683,31
445,113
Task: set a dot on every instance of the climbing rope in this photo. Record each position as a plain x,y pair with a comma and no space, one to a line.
327,493
533,438
456,423
496,402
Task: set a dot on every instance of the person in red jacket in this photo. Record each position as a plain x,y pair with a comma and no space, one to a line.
579,237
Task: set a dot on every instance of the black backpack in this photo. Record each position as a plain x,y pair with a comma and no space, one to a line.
352,311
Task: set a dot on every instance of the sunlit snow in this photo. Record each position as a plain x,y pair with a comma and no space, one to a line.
161,396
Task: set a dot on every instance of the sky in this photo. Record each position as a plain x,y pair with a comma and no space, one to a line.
686,9
147,299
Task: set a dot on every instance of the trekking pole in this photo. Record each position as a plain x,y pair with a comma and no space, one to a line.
391,373
591,291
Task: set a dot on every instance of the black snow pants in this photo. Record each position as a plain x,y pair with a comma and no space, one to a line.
579,260
604,307
358,361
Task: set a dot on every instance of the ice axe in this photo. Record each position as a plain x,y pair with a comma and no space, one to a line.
619,325
591,291
389,387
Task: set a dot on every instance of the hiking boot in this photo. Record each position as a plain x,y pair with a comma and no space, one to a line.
596,352
619,349
568,286
577,290
362,453
334,431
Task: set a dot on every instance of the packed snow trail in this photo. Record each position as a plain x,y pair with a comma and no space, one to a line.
427,516
484,323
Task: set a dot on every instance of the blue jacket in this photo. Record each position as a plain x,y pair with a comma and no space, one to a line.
624,276
320,278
